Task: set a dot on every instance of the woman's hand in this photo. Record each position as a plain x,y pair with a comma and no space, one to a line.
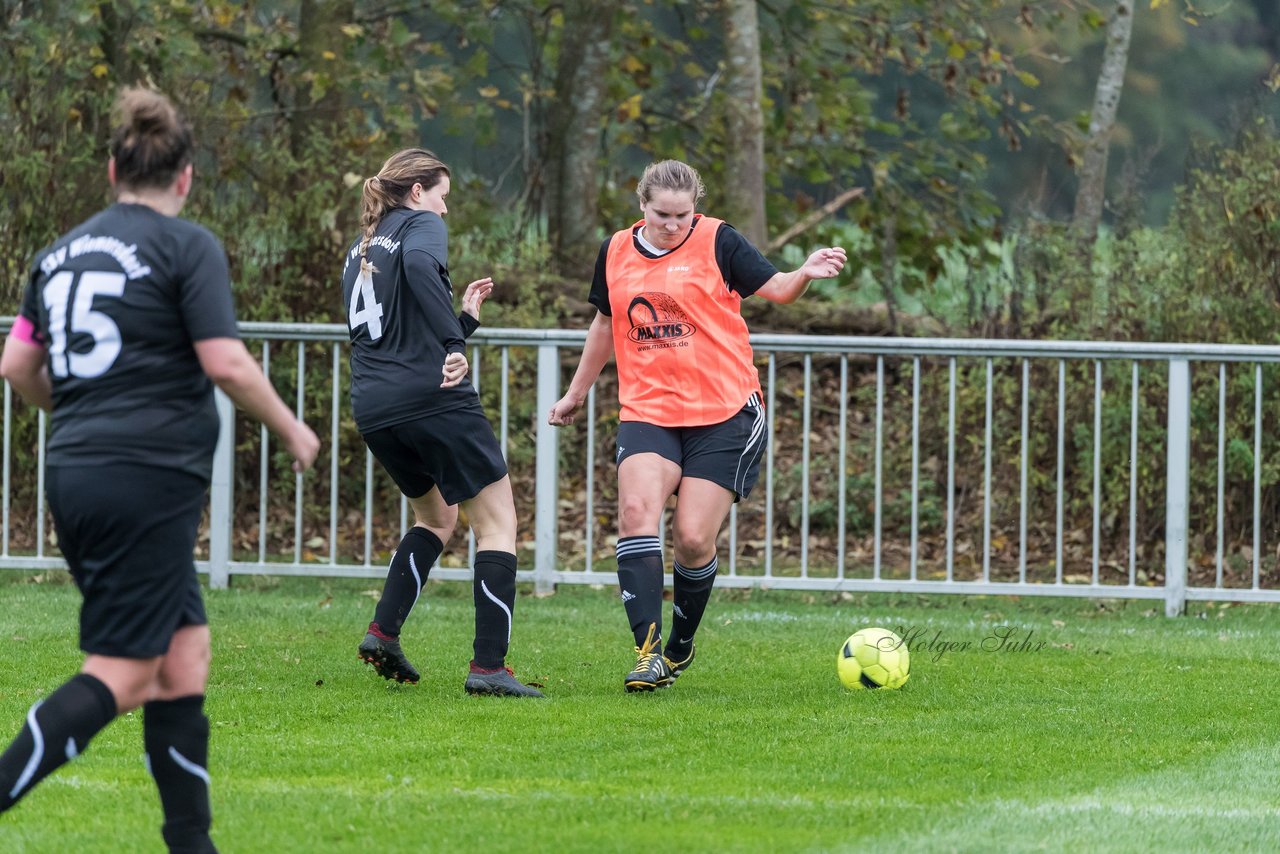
475,295
303,445
565,410
824,263
455,369
786,288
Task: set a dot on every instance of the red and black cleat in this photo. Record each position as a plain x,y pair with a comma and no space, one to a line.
387,659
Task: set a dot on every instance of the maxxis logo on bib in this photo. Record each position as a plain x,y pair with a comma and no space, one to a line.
657,321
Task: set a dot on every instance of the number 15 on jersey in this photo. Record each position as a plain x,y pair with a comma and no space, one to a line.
83,319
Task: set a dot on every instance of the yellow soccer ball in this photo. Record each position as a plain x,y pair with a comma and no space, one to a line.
873,658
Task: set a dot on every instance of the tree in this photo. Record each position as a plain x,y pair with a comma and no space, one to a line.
565,100
1091,193
320,43
575,125
744,121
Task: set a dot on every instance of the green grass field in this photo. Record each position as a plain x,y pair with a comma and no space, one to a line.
1126,731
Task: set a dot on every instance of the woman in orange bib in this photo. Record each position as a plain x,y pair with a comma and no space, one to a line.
668,292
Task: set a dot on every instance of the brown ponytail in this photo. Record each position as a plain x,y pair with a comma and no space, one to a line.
389,188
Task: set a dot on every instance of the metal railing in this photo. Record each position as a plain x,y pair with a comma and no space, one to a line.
929,465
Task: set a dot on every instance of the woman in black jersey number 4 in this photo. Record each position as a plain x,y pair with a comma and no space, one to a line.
124,322
421,417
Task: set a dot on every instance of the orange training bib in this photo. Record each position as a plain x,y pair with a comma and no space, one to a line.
682,348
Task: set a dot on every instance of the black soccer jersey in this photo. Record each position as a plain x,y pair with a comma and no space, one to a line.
742,266
402,323
118,301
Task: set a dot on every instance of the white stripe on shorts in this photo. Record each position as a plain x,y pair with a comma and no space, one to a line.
755,445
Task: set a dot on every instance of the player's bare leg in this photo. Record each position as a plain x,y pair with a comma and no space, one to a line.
645,482
700,513
175,733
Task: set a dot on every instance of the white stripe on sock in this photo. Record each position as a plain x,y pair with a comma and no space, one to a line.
36,755
639,547
413,565
187,765
501,605
697,573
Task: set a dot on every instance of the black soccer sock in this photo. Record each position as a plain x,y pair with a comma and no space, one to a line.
493,587
689,603
640,579
410,564
58,729
175,735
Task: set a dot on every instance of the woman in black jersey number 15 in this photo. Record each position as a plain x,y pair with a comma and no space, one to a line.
126,325
421,417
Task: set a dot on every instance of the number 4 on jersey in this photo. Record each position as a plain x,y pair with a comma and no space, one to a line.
371,314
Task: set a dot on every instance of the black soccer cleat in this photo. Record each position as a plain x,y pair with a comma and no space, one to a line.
500,682
677,667
651,670
387,659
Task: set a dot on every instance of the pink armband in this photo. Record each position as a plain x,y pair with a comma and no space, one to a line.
25,330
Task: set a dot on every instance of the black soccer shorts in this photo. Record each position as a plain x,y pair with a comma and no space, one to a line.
454,450
128,533
727,453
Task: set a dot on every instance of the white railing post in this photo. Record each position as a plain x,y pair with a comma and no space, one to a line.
220,495
546,472
1176,495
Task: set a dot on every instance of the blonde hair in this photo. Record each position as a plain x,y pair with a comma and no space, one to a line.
151,142
390,187
672,175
